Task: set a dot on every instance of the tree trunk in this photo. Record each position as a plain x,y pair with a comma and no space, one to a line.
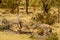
27,4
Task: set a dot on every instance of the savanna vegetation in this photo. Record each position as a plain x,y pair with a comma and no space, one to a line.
30,19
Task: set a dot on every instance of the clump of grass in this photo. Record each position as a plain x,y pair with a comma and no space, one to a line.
1,27
52,37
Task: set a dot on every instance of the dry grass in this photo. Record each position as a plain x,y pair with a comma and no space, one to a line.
8,35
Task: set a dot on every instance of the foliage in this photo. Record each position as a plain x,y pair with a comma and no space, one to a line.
10,4
47,19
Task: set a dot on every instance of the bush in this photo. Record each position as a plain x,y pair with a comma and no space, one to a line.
47,19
